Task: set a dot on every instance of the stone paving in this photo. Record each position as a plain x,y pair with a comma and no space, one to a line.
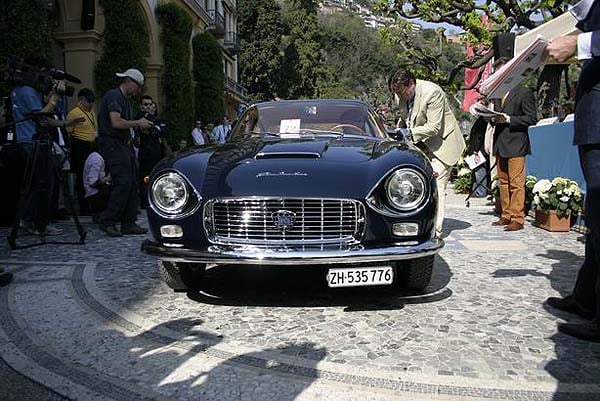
95,321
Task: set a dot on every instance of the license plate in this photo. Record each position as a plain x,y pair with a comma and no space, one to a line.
359,276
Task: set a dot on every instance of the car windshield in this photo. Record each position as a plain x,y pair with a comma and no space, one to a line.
299,119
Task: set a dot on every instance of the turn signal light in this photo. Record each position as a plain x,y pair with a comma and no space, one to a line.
405,229
171,231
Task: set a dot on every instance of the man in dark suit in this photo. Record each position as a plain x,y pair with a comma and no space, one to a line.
585,299
511,145
475,145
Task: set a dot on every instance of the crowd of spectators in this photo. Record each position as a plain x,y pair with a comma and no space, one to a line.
110,153
209,133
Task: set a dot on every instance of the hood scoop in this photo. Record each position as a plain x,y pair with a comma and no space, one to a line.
287,155
292,150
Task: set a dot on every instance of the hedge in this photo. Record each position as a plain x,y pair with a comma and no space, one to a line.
176,32
126,42
209,77
24,33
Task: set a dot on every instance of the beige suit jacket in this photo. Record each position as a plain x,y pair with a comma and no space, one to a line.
432,123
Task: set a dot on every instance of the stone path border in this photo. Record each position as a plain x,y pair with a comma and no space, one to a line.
20,350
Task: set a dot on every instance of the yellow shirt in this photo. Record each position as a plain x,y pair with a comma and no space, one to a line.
85,131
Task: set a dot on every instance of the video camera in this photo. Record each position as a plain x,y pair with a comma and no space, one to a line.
159,126
42,79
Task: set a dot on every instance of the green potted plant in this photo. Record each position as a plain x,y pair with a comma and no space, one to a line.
555,201
464,178
495,187
530,182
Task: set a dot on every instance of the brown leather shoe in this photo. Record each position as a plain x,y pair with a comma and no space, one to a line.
513,226
501,222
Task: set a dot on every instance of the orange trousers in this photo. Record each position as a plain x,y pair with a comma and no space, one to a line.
511,178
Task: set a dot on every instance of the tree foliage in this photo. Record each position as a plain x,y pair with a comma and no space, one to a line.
502,16
466,14
260,28
177,80
126,42
24,32
427,53
209,77
356,59
296,53
302,63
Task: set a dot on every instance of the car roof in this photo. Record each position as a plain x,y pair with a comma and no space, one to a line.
314,101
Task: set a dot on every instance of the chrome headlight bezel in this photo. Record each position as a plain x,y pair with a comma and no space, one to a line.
415,180
188,200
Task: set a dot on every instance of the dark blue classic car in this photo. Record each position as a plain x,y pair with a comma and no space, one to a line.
311,182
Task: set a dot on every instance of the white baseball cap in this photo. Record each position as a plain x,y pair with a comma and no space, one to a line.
133,74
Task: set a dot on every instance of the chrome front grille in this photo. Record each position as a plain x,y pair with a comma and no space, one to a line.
276,221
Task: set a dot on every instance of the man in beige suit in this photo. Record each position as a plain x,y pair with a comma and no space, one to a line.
431,126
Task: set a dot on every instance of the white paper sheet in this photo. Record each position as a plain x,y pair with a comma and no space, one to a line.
289,126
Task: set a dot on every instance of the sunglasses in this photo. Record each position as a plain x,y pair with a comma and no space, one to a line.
146,104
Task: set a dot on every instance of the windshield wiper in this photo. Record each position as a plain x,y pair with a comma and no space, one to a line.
266,133
318,131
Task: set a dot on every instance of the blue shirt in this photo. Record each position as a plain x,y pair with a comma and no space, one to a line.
25,100
220,133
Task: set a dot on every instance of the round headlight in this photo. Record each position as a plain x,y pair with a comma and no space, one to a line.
170,193
405,189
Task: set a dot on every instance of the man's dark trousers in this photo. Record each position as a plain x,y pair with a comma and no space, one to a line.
587,287
80,150
123,200
587,138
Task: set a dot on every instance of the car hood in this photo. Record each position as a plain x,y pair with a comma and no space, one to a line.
341,150
337,167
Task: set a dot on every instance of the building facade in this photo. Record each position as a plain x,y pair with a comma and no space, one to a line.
78,29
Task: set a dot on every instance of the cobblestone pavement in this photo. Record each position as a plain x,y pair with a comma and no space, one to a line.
95,321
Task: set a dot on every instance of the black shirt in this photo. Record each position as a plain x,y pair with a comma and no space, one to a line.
114,100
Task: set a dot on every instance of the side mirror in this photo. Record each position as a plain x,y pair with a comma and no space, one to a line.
391,132
395,134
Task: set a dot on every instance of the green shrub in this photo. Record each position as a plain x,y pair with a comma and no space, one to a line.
209,77
495,186
126,42
464,177
530,182
177,28
462,183
24,33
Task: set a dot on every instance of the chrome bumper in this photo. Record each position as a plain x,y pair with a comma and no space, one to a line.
292,256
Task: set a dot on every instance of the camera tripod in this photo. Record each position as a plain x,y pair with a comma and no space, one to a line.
42,167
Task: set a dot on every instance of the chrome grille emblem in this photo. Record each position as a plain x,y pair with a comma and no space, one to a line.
283,219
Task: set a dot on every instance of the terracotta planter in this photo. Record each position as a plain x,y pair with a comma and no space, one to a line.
551,222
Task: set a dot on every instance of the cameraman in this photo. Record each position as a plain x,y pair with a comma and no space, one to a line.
115,128
150,140
26,100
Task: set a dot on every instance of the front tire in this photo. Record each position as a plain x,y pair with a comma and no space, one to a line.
182,277
414,274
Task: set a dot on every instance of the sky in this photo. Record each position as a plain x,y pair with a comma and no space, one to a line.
450,29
